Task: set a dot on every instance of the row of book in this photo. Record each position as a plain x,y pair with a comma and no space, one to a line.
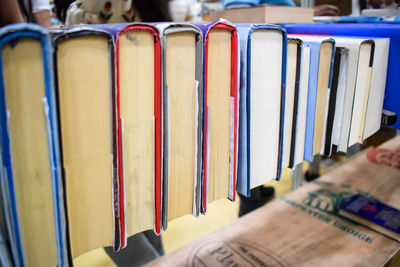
110,130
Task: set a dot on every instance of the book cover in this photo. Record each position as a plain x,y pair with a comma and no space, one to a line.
373,214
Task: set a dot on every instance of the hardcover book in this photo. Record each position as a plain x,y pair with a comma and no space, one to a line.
31,182
294,48
138,99
182,114
337,77
220,120
262,102
87,116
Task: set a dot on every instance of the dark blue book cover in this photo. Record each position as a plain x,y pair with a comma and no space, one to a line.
373,214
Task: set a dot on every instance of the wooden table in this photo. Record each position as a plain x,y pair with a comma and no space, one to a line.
303,228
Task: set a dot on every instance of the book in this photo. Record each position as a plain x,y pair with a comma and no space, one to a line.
302,104
182,111
221,94
138,54
320,73
359,70
87,117
282,232
373,214
382,30
138,98
262,101
338,64
291,100
374,107
341,80
31,184
265,14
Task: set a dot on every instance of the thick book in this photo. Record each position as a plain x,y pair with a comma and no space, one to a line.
321,62
138,70
262,102
139,125
383,30
293,70
182,115
221,117
265,14
373,214
31,182
88,127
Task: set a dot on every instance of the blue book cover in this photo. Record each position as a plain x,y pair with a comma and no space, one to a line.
372,213
12,36
245,31
392,31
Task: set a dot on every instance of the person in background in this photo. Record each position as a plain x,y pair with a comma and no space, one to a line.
111,11
36,11
10,12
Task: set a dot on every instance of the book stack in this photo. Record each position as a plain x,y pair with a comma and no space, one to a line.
110,130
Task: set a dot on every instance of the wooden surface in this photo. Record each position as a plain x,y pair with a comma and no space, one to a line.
303,228
265,14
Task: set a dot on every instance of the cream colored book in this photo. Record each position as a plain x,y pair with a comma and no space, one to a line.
221,109
139,95
86,125
182,119
263,51
30,173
